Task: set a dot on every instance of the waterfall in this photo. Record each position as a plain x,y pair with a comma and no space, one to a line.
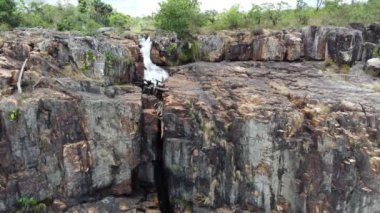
152,72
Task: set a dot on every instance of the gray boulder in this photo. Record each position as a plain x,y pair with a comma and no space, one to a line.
373,66
367,51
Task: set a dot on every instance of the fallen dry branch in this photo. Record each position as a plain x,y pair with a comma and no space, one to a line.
20,77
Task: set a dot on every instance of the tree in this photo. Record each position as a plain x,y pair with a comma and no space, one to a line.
233,18
8,13
319,4
274,11
119,20
178,16
256,13
301,12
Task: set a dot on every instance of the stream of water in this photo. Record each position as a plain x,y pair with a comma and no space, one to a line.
152,72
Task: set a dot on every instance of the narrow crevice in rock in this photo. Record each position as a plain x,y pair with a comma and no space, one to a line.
161,178
152,150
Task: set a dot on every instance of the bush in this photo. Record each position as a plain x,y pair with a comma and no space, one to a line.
233,18
8,13
178,16
14,115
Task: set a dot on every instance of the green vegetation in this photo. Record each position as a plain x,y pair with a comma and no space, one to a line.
8,14
89,59
180,16
184,16
172,48
29,204
88,16
14,115
377,51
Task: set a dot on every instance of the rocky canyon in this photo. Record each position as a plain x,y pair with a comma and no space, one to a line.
256,121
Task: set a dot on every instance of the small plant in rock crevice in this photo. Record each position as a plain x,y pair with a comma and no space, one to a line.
30,205
14,115
172,48
377,51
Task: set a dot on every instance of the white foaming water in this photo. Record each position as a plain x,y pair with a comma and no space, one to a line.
152,72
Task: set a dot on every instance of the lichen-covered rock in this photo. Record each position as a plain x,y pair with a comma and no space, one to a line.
342,45
367,51
242,136
212,47
165,50
119,204
56,54
71,133
314,40
294,46
57,145
239,51
270,48
372,33
373,66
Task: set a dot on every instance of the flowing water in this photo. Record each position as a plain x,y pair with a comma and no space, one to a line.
152,72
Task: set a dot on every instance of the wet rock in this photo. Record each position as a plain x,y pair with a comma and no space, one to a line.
165,50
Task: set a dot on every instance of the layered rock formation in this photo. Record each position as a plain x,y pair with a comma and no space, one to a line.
75,132
262,137
268,136
338,44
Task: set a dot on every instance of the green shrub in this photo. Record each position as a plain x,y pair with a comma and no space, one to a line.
27,202
178,16
190,52
172,48
377,51
14,115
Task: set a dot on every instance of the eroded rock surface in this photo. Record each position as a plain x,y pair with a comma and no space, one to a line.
74,134
341,45
270,137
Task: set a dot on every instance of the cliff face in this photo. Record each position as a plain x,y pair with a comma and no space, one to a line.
270,137
338,44
73,135
263,136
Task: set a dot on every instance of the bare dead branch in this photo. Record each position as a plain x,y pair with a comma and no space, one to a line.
20,76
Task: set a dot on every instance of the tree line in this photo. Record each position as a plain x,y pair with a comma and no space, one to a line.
86,17
185,16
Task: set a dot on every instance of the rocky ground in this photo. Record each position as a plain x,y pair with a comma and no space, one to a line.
266,129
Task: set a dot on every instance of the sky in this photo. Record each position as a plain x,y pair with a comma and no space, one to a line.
147,7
